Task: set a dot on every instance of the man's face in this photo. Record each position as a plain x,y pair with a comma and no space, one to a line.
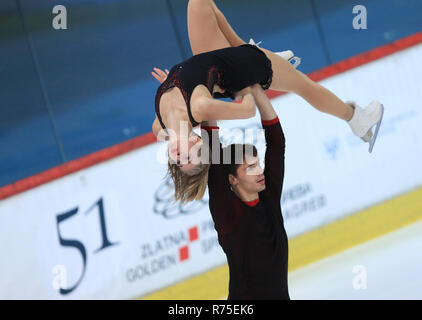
250,176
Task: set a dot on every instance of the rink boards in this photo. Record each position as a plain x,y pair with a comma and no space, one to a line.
111,231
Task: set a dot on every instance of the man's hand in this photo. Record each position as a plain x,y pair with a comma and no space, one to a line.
240,94
248,101
264,105
246,96
160,75
257,92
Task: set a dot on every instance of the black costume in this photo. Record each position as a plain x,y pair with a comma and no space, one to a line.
232,69
252,233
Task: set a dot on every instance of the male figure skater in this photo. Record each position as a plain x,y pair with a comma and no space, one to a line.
244,201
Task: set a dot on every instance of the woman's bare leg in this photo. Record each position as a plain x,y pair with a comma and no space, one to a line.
209,30
203,30
226,28
287,78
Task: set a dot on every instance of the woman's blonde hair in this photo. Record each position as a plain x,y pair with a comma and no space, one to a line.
190,186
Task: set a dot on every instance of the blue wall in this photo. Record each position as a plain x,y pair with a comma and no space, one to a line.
68,93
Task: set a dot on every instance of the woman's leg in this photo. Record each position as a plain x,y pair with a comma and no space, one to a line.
226,28
203,29
287,78
209,30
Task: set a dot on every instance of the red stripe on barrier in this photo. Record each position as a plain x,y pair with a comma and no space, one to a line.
358,60
76,165
148,138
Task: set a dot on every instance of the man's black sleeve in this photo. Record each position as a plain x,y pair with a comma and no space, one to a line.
274,157
220,196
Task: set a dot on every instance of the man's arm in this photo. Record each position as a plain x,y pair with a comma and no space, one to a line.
264,105
275,142
209,123
220,195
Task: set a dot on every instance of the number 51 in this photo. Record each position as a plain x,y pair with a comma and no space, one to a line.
77,244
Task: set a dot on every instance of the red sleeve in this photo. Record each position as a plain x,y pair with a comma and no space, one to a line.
220,196
274,157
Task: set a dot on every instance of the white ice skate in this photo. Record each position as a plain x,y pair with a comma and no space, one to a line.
364,119
287,55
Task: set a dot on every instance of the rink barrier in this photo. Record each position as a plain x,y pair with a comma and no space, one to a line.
214,283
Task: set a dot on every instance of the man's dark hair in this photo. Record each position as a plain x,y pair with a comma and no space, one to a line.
241,150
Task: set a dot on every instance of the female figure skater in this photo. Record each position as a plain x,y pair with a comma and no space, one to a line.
223,65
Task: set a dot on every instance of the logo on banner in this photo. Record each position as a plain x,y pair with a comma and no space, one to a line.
184,251
165,206
332,146
174,249
159,255
300,200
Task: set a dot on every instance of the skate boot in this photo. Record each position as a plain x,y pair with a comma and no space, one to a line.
363,120
287,55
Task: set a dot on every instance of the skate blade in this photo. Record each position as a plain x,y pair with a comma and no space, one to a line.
296,61
374,137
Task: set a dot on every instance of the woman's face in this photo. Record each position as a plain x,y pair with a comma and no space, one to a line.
184,152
